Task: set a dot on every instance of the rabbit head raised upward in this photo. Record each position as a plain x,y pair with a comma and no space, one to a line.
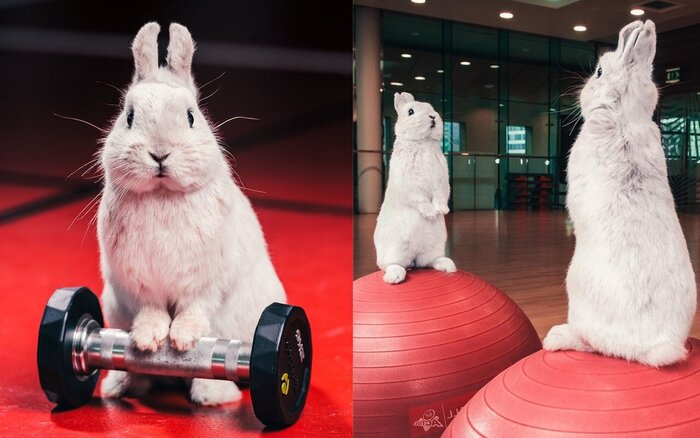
161,140
622,80
416,120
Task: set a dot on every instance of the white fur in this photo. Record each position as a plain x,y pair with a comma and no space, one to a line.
182,256
410,228
631,286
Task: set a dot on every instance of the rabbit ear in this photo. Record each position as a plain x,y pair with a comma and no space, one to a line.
643,48
180,51
400,99
625,34
145,50
628,39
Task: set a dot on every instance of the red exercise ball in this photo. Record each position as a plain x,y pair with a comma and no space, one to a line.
568,393
422,348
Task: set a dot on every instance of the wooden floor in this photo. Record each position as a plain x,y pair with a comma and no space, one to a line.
525,254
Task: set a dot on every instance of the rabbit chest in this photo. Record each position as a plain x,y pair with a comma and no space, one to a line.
422,166
161,241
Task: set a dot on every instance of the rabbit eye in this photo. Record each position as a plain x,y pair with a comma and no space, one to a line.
190,117
599,72
410,112
130,117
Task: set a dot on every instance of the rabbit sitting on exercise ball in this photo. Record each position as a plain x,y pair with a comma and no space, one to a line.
631,286
411,228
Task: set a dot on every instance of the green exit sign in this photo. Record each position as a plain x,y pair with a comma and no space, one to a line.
673,75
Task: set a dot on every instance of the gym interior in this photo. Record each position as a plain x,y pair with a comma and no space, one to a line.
507,90
64,61
482,339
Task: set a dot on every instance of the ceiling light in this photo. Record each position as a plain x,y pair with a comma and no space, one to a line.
546,162
441,71
420,78
493,65
497,161
580,28
420,2
637,12
396,84
406,55
465,63
506,15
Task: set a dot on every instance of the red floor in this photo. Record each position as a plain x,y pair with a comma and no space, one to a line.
305,211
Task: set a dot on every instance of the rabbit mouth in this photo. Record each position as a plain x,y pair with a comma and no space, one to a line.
432,124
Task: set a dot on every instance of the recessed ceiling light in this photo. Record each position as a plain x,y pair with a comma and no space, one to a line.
420,2
465,63
493,65
506,15
396,84
488,86
420,78
637,12
580,28
406,55
441,71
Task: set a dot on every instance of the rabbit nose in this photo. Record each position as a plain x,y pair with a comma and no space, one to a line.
158,158
432,117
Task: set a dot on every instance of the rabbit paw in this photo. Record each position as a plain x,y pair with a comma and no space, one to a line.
394,274
150,328
441,208
186,330
214,392
561,337
427,210
444,264
119,383
664,354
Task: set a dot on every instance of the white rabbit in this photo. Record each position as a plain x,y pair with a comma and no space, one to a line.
631,286
182,252
411,225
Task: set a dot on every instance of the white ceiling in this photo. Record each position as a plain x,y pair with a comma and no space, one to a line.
603,18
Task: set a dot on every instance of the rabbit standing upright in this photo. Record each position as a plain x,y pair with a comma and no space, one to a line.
410,228
631,286
182,253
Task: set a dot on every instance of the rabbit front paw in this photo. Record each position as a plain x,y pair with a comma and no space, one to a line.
427,210
150,328
441,207
186,330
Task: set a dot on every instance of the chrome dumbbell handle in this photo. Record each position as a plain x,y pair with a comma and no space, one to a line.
112,349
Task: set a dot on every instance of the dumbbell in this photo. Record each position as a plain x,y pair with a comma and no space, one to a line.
74,347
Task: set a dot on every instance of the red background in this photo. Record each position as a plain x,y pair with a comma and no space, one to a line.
296,160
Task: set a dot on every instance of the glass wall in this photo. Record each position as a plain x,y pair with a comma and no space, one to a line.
679,121
498,92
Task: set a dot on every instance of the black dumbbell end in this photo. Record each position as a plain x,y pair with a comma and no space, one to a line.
61,384
280,365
